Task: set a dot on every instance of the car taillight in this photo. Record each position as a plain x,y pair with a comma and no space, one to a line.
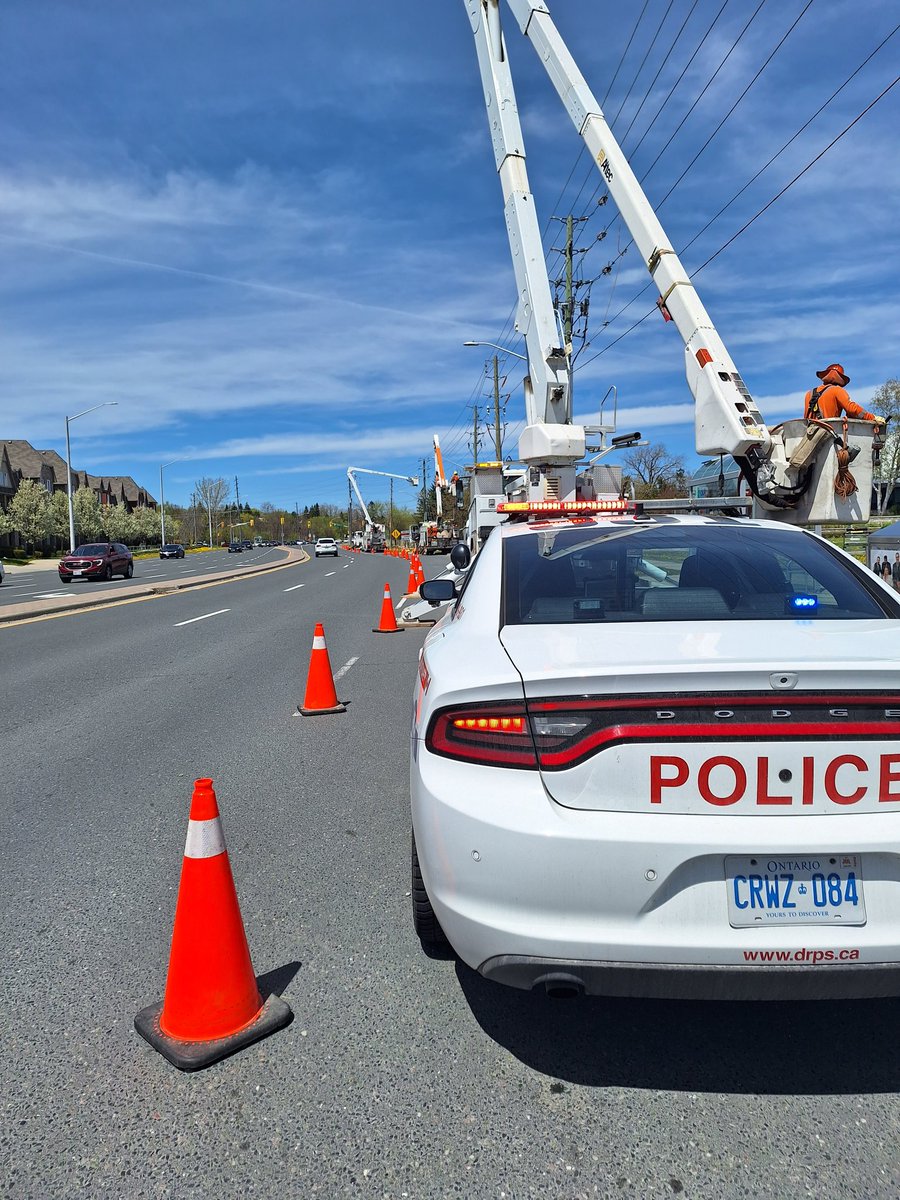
492,734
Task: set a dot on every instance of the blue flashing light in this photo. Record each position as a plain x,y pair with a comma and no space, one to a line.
804,603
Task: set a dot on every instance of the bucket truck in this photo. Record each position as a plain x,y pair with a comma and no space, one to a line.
438,536
797,471
373,538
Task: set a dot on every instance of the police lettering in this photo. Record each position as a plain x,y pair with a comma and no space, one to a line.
722,781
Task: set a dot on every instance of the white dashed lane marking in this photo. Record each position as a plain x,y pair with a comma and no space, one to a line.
217,613
294,588
346,667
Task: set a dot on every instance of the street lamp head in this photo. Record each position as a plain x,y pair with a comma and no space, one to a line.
502,349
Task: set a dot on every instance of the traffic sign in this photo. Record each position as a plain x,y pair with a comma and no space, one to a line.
395,533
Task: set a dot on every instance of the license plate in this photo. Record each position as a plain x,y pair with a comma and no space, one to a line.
795,890
78,572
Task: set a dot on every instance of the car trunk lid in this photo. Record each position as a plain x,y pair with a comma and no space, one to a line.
745,717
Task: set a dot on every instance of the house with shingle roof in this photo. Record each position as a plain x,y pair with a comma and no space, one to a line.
49,469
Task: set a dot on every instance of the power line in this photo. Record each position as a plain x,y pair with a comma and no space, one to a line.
751,221
790,30
665,102
659,71
734,45
799,174
696,101
647,53
791,139
590,172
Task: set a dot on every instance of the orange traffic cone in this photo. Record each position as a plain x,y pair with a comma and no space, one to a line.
412,583
420,572
320,694
212,1006
388,622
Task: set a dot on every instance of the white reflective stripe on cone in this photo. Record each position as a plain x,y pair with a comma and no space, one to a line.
319,643
204,839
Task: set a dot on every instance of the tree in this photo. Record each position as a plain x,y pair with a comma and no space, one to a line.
59,515
656,472
146,524
886,402
213,495
88,519
116,523
29,512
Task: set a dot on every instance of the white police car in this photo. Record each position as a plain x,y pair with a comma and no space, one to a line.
660,756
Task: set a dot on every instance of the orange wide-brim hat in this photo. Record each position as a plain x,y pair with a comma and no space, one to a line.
845,379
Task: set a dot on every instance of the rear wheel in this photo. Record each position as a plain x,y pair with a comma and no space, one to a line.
425,922
129,571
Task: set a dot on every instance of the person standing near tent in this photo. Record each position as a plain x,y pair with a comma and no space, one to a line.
895,572
886,573
876,566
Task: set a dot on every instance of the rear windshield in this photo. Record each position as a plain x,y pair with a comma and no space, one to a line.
676,572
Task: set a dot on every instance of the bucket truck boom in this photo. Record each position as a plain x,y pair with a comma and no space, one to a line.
375,533
789,469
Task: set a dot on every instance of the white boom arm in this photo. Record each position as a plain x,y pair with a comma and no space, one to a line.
440,481
549,437
352,472
727,420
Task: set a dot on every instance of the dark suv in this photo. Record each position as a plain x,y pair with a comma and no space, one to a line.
97,560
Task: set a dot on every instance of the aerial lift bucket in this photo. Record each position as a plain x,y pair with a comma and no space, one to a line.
821,503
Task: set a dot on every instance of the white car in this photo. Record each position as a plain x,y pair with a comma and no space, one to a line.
661,756
326,546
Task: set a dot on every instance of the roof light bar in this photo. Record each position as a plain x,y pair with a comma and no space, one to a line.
563,507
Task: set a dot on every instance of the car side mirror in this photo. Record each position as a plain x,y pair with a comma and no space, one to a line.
460,556
438,591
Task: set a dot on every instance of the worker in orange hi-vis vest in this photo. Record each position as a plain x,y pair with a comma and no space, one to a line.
831,400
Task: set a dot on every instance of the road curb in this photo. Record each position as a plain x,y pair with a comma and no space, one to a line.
50,608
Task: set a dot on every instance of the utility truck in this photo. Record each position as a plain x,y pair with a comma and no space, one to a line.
797,471
372,539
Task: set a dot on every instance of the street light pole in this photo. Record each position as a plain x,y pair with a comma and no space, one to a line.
162,502
105,404
69,490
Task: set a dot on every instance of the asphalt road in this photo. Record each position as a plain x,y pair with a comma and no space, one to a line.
40,582
401,1076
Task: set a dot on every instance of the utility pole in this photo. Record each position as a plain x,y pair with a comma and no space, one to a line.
424,490
567,322
391,526
568,252
349,510
498,445
475,435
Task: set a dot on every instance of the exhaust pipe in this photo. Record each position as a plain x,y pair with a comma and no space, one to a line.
561,986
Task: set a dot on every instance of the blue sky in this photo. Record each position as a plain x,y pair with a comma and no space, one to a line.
266,229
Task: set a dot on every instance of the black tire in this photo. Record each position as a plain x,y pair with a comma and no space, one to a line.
107,574
129,571
425,922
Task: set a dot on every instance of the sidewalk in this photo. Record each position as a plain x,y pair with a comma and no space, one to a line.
28,609
36,564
